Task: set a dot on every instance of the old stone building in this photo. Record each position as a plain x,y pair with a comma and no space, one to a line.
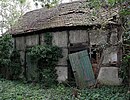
74,27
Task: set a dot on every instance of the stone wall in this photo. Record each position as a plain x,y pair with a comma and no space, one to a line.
20,43
108,40
60,39
78,36
32,40
98,37
64,40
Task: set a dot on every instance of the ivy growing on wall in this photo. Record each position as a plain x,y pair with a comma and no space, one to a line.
46,57
48,39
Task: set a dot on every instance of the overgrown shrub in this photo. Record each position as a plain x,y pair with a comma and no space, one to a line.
10,65
48,39
124,69
6,47
125,66
46,57
5,50
15,65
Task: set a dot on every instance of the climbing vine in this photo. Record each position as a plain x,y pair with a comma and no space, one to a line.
124,69
125,66
48,39
46,57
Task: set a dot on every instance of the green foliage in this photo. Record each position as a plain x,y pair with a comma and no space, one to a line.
46,56
124,69
95,3
10,65
6,47
49,54
48,38
99,3
46,3
22,1
19,91
124,14
124,8
112,2
15,65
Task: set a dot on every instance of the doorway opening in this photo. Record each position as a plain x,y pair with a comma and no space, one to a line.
73,48
95,56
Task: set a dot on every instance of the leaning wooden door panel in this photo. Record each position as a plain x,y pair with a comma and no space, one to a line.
77,70
87,68
82,69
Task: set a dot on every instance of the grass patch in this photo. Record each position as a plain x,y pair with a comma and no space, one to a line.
19,91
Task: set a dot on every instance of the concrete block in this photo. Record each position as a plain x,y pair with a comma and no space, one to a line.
98,37
60,39
78,36
113,39
20,43
62,73
63,60
32,40
109,76
110,55
42,39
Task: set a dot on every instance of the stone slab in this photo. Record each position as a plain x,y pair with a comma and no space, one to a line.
110,55
60,39
62,73
78,36
109,76
20,43
98,37
32,40
63,60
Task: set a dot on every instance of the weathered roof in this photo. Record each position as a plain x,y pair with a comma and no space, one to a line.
64,15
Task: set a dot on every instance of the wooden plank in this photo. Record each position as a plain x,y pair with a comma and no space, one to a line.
82,69
72,60
87,68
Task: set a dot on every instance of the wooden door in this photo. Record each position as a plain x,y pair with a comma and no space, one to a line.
82,69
